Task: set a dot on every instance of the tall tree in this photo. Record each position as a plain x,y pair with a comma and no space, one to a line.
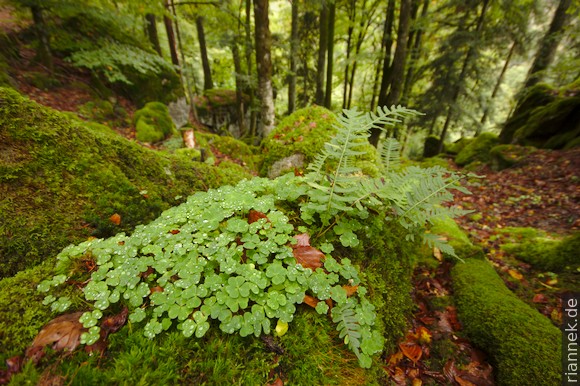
293,56
322,49
207,79
496,88
549,44
170,36
398,68
415,52
44,51
330,56
264,63
458,87
151,22
387,45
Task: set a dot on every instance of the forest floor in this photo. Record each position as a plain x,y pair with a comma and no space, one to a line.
542,192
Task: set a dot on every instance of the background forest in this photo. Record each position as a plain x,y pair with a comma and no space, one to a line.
465,64
192,192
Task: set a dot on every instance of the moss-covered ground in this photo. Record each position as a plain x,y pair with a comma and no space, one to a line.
61,181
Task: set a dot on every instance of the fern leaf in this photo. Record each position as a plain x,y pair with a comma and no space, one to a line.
347,326
390,154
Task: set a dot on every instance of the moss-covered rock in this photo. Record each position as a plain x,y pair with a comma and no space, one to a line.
242,153
506,156
457,146
477,150
543,251
313,352
523,345
153,123
546,117
304,133
61,180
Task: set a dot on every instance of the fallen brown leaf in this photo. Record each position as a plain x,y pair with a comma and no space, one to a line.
411,350
115,219
62,333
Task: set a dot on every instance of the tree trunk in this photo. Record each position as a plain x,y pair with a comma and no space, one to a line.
248,53
171,38
322,48
330,59
351,20
293,55
388,44
152,32
207,81
398,68
460,83
549,44
415,55
496,88
44,52
239,94
264,63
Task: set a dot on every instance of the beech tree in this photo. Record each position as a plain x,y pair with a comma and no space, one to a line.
264,64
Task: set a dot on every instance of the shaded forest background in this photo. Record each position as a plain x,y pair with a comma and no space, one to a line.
467,65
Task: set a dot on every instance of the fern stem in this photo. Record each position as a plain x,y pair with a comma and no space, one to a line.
424,199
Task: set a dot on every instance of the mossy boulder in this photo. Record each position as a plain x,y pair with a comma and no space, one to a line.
506,156
546,117
455,147
239,152
153,123
542,250
303,132
62,179
312,351
299,137
523,345
477,150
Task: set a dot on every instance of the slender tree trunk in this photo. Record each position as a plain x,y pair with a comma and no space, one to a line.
330,59
388,44
398,68
549,44
363,27
496,88
293,56
152,32
44,51
264,63
207,80
171,38
248,53
461,81
415,55
184,78
239,94
322,48
351,20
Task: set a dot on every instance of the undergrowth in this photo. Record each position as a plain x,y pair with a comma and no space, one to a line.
242,258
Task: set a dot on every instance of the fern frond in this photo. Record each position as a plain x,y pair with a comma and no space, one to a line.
348,326
390,154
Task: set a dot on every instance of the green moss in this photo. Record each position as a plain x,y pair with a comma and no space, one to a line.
457,146
305,132
242,153
434,161
61,180
464,248
543,251
523,345
477,150
505,156
301,136
153,122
